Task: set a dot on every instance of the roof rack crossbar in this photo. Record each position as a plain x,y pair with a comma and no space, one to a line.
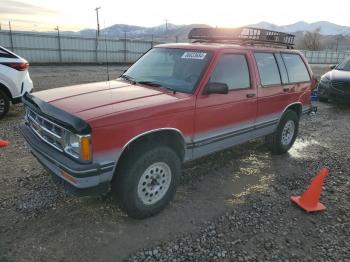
242,35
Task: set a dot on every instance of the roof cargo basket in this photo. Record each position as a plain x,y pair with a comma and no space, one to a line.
242,36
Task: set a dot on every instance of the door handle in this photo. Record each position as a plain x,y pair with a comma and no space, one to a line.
250,95
285,89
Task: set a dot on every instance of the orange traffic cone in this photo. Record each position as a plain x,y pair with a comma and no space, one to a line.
309,201
4,143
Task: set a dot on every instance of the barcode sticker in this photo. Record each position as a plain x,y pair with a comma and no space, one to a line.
193,55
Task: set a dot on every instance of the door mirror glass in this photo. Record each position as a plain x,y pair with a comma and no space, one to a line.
216,88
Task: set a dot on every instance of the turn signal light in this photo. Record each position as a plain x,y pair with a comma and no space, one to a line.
85,149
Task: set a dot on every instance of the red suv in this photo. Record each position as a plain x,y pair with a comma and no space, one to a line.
177,103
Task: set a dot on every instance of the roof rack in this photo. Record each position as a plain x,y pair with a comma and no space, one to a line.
242,36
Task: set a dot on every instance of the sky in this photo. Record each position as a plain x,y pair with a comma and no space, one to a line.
45,15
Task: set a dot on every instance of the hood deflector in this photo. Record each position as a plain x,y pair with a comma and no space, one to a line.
66,120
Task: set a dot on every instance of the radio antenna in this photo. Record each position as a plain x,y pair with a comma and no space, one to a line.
106,51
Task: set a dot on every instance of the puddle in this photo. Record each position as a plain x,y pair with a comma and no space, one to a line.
300,147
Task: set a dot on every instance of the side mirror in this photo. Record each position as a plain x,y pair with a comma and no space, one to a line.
216,88
332,66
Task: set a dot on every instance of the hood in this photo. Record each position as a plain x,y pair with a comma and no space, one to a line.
94,100
339,75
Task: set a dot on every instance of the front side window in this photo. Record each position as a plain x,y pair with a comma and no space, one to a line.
232,69
268,70
296,68
177,69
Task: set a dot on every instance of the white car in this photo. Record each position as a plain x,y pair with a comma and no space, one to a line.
14,79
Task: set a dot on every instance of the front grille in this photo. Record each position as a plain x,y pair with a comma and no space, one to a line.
342,86
48,131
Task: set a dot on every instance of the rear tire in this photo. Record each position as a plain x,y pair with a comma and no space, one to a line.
284,137
146,182
4,104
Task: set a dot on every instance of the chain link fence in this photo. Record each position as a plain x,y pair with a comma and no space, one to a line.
325,57
56,48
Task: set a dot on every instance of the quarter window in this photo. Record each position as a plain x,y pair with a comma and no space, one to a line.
296,68
268,70
232,69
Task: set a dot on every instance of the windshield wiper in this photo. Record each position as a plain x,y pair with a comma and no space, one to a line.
149,83
128,78
154,84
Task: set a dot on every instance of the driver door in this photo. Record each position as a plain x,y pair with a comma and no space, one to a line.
223,120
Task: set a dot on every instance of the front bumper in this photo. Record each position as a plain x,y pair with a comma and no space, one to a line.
329,92
80,179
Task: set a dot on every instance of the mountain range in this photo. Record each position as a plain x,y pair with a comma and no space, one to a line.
326,28
181,31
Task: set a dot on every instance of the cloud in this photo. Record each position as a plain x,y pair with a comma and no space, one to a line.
12,7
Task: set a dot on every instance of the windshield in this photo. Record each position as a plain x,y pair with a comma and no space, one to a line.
345,65
175,69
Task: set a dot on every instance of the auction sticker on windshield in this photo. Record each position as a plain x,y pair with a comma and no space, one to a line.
193,55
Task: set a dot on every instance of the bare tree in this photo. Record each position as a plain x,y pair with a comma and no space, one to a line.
311,40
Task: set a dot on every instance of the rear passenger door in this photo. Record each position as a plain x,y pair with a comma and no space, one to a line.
223,120
272,94
299,80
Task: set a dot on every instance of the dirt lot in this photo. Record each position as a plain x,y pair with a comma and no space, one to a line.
232,206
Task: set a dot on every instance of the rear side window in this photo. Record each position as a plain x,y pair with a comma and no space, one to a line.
268,70
4,53
282,68
296,68
232,69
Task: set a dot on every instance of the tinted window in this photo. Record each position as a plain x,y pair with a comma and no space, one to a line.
4,53
232,70
282,68
268,70
296,68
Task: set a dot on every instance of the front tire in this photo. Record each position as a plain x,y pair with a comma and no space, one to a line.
284,137
147,181
4,104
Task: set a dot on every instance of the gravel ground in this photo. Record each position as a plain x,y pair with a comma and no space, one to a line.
231,206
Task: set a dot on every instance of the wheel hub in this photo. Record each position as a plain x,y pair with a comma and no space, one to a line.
154,183
288,132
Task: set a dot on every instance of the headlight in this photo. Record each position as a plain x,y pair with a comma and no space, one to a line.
325,79
78,146
72,145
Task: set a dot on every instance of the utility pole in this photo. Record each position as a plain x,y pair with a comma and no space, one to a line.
59,43
125,47
11,37
337,46
166,28
97,33
98,22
